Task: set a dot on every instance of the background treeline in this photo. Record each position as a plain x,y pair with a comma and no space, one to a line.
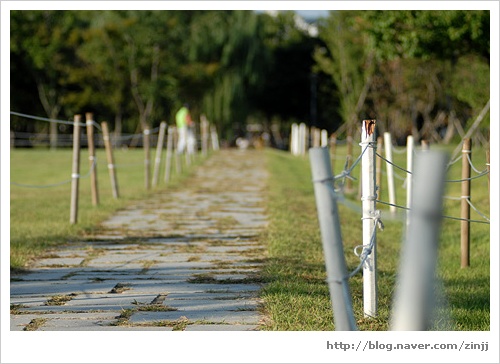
420,72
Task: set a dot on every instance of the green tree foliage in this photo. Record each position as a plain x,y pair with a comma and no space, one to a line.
428,68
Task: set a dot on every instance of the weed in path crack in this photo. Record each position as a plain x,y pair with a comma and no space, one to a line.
15,309
35,324
180,324
123,318
202,278
60,300
120,288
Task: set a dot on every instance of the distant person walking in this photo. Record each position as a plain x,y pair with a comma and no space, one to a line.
184,123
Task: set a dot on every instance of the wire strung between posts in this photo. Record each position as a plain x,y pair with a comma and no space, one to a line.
92,167
485,172
367,249
45,119
395,165
443,216
472,165
398,151
453,162
378,222
475,209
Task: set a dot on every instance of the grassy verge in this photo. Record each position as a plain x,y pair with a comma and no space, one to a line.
297,296
39,217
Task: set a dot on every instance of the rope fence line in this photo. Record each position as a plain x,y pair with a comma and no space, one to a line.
29,136
78,138
346,173
56,184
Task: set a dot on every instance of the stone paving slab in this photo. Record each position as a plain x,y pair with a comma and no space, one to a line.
185,258
208,316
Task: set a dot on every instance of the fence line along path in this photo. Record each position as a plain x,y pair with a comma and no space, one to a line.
186,259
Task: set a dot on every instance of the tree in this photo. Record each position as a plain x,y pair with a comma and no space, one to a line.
44,42
349,60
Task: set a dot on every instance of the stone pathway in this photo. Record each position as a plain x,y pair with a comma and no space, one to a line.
187,259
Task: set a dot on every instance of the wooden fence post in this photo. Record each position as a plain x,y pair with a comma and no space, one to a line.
75,173
168,157
146,145
110,159
333,250
425,145
390,172
414,296
159,147
204,134
333,150
369,219
89,117
465,207
178,166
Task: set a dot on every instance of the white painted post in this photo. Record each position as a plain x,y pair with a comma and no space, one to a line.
414,297
159,147
215,137
293,137
146,142
329,223
324,138
390,171
168,158
368,198
109,156
302,139
409,176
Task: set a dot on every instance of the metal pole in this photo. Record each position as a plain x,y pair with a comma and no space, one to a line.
368,198
89,117
329,223
159,146
465,207
414,297
390,172
109,156
409,177
75,173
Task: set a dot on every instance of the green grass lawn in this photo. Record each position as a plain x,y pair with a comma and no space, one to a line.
297,297
39,217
